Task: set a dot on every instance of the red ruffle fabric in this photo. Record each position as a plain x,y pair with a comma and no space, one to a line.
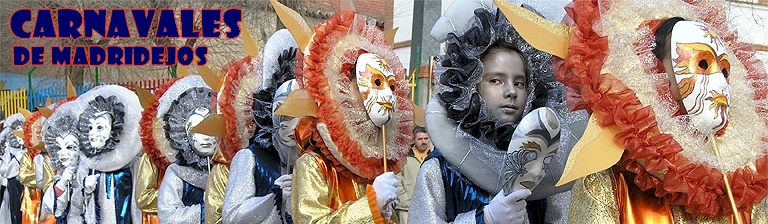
235,70
146,130
32,130
655,157
329,111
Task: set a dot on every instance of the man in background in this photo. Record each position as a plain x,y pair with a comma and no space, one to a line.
407,179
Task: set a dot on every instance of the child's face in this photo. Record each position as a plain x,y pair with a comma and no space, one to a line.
504,84
672,81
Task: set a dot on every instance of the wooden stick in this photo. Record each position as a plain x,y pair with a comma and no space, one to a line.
736,215
384,145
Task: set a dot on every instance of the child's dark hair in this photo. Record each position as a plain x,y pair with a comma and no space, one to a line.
511,46
662,36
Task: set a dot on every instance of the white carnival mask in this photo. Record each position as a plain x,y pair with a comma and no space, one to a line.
701,68
68,150
203,145
283,140
531,149
100,129
376,83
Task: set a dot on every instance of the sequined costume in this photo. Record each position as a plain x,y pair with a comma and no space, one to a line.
236,104
111,162
153,162
255,199
184,105
251,195
466,170
665,168
609,196
13,150
181,195
29,168
343,151
58,195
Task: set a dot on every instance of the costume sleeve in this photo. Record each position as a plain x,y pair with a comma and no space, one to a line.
214,193
593,199
145,185
78,199
27,171
170,208
429,198
46,206
241,205
311,202
43,172
62,197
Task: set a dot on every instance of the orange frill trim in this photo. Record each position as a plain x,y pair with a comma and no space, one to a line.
329,111
655,157
235,70
29,134
146,130
374,205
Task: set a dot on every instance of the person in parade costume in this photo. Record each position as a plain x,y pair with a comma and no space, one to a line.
34,174
153,162
260,187
236,124
660,161
30,195
353,103
60,136
12,150
110,146
471,125
182,107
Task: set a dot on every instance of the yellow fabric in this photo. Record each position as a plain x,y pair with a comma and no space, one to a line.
420,155
27,171
594,200
30,196
214,193
543,34
322,195
146,186
30,205
637,206
595,151
149,218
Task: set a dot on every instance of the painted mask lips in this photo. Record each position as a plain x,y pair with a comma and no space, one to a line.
206,145
528,184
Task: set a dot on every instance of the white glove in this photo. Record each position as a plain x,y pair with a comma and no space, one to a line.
284,182
459,17
66,177
90,183
385,186
508,209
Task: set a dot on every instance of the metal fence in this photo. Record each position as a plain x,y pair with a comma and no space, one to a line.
12,100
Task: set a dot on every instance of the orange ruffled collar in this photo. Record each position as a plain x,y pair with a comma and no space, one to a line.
358,37
655,157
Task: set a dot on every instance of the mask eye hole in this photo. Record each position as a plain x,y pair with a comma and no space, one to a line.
392,84
703,64
725,73
378,81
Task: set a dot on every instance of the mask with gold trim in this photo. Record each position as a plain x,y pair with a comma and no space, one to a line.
701,67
